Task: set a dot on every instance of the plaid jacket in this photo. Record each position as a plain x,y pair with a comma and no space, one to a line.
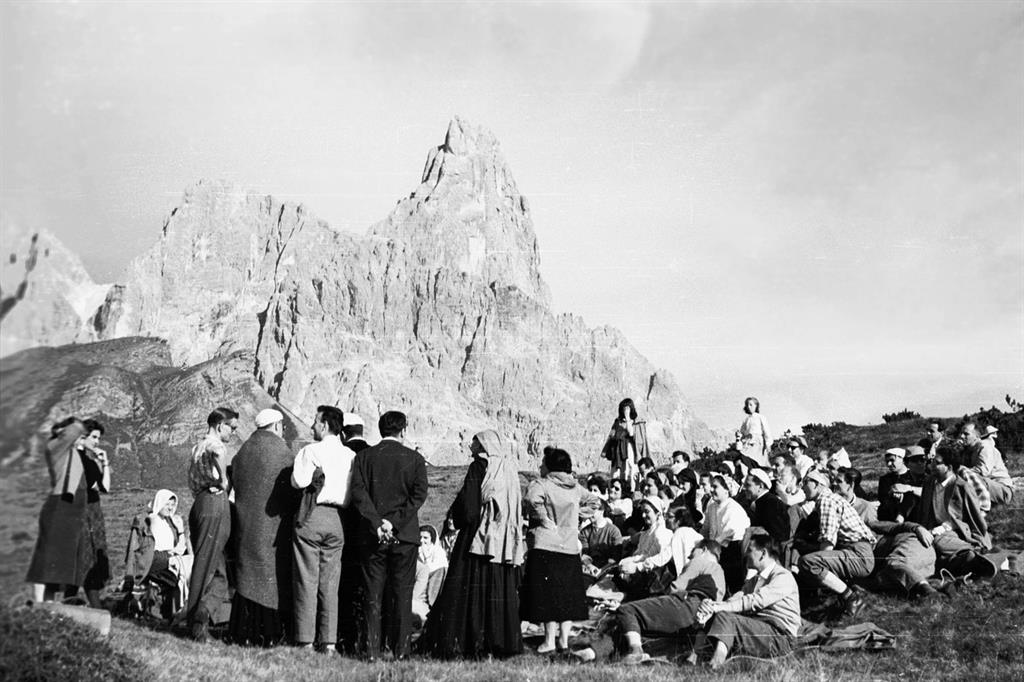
840,522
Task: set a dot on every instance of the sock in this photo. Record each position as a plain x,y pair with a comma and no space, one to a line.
848,595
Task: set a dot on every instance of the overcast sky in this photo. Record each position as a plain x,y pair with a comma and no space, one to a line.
818,204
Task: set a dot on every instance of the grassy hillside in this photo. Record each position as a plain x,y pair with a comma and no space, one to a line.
979,634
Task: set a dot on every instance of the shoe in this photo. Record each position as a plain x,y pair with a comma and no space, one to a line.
854,605
636,659
983,567
543,649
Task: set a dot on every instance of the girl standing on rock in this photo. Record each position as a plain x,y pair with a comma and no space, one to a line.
753,439
627,443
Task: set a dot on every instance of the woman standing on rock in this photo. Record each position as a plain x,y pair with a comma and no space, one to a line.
627,443
753,439
95,564
57,562
476,613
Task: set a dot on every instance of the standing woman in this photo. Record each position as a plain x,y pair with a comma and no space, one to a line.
94,562
553,590
477,612
55,561
755,442
627,443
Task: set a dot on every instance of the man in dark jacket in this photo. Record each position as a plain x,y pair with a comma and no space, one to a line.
389,485
766,510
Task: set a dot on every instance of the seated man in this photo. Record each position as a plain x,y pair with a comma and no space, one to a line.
845,544
986,460
951,517
760,620
766,510
895,486
702,579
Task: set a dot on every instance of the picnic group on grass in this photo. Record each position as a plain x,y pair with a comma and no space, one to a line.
324,549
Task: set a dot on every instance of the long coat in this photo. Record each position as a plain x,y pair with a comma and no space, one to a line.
265,505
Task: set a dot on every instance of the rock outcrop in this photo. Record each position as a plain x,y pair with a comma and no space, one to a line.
153,413
46,296
439,311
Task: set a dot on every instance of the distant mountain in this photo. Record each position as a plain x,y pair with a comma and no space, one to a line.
440,311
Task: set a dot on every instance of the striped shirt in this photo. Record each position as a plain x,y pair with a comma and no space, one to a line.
978,486
840,522
203,473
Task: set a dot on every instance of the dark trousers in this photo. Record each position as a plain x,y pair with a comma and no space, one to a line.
209,523
389,575
664,615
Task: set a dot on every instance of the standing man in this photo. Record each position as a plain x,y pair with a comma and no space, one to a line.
324,469
209,522
352,434
350,601
389,485
265,502
986,459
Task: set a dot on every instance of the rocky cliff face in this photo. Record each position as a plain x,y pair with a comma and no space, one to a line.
46,296
439,311
153,413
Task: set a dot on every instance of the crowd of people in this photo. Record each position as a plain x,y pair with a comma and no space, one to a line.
324,548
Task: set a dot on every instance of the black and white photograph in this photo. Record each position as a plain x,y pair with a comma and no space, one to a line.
448,340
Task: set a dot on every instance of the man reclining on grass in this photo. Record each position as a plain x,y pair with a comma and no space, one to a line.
700,581
760,620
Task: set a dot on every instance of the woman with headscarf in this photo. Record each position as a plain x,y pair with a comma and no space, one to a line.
172,551
627,442
477,612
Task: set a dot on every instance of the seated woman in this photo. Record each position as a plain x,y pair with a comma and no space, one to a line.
646,551
600,540
598,485
431,566
620,504
172,552
725,523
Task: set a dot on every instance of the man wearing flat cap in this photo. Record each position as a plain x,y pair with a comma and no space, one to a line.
265,503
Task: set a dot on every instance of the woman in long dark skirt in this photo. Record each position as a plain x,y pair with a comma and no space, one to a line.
553,590
477,612
95,561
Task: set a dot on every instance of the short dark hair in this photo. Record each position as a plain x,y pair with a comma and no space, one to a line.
786,457
951,455
557,459
220,415
332,417
711,546
757,404
853,478
720,480
628,402
93,425
765,542
684,454
645,462
391,423
427,528
937,423
682,515
598,481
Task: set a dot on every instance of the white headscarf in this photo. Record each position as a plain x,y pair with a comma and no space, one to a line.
500,535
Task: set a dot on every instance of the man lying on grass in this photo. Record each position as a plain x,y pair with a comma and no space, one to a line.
702,580
760,620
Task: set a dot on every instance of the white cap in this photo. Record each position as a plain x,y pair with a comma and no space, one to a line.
267,417
761,475
353,419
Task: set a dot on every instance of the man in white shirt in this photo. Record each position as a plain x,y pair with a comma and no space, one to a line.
323,469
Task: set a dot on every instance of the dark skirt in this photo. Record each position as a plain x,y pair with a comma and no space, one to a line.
92,548
477,612
553,589
253,624
55,560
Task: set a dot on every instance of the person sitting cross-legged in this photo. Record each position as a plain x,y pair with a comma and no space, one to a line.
761,620
702,579
845,544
